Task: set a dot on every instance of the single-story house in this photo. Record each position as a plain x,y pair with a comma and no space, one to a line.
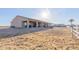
24,22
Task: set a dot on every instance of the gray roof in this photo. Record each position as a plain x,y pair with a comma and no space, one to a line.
30,18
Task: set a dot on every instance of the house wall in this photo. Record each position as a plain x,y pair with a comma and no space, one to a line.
16,22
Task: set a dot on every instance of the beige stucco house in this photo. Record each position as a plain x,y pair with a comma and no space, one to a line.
24,22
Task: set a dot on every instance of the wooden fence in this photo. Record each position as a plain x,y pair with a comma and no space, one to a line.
75,31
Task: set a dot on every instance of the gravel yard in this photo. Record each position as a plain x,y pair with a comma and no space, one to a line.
49,39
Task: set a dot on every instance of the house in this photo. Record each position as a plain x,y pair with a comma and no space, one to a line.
59,25
24,22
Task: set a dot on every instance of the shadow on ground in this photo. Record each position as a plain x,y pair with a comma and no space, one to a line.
11,32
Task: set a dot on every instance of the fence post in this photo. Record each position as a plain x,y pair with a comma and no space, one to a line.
72,31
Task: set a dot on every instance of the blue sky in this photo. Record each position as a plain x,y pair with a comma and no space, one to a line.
56,15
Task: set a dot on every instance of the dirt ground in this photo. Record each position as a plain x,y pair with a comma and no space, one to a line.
50,39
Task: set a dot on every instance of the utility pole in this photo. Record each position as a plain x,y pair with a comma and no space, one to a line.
71,22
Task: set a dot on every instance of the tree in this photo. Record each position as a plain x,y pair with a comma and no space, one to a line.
71,21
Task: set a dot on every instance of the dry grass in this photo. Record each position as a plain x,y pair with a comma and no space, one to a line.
51,39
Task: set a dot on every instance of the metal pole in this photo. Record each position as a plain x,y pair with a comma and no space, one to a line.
72,29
